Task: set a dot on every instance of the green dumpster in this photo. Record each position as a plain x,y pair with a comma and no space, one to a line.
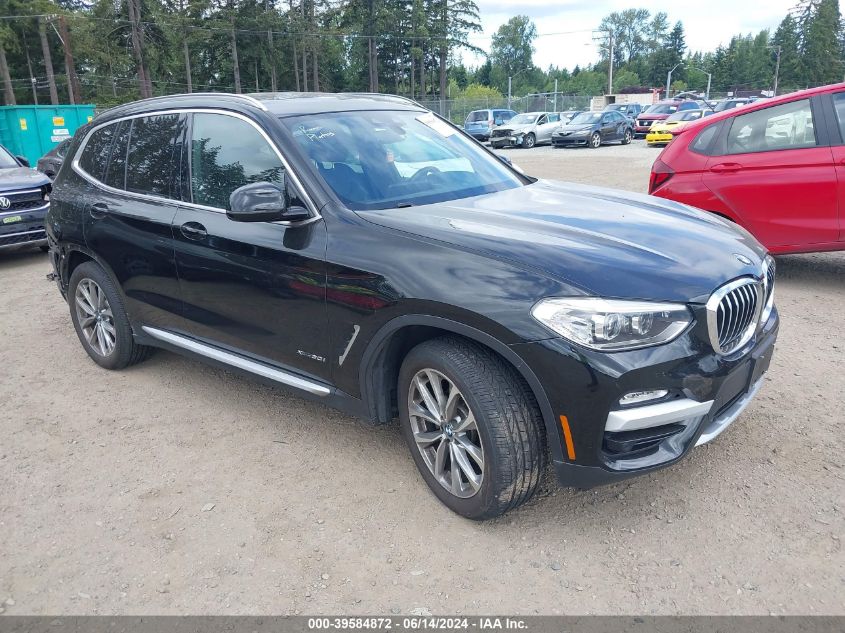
33,130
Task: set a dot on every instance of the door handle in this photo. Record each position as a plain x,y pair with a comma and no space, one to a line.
725,168
193,230
98,210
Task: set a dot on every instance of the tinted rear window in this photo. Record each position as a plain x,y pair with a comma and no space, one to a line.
478,115
704,140
95,155
150,165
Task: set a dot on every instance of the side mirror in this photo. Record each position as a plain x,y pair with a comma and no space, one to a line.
23,160
264,202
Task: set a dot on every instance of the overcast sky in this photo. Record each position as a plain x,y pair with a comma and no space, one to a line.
707,23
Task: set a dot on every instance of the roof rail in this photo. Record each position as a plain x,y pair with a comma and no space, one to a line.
231,95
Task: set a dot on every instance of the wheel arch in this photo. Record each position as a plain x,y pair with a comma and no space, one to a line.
73,255
383,356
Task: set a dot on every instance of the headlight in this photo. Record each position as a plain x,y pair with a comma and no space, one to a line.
769,287
611,324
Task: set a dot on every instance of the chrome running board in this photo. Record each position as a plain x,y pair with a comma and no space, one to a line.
240,362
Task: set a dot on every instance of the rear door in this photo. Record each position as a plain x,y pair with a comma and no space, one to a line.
775,172
835,108
256,288
128,217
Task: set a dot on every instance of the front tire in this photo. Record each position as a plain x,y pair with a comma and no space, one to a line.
529,141
595,140
99,318
473,427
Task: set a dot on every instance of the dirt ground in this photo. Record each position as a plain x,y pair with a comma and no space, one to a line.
175,488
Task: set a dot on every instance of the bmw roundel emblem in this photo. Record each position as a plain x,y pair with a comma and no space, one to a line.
743,259
5,203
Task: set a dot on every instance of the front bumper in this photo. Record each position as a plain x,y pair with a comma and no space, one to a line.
506,141
610,442
569,141
23,227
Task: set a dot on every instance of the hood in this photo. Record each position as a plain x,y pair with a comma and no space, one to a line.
652,117
602,242
15,178
518,128
581,127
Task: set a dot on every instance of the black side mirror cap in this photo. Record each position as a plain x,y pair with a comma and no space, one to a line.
264,202
23,160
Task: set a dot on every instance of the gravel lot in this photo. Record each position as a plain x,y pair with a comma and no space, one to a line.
176,488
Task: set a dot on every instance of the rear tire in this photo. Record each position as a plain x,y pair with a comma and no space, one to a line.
459,399
100,320
626,140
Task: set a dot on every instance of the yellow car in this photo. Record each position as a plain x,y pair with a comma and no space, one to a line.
664,131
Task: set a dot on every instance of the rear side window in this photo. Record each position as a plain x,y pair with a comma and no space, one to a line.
704,140
116,171
227,153
839,105
150,163
95,154
478,115
787,126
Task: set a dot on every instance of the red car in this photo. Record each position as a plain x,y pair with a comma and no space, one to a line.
775,166
661,110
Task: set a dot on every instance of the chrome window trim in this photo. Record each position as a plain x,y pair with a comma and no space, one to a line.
238,361
312,208
32,232
712,307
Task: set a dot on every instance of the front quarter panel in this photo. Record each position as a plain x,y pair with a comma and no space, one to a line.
376,274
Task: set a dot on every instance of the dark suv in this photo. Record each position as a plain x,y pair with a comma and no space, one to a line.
372,256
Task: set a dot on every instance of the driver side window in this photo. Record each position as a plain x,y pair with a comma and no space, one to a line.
228,153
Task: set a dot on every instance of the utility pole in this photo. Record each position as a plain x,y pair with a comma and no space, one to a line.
555,95
48,60
610,65
70,68
777,69
509,93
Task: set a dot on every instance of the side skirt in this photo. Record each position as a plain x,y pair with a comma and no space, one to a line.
310,389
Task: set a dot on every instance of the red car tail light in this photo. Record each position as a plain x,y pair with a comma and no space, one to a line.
660,175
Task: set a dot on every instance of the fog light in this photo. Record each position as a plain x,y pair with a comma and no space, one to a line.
636,397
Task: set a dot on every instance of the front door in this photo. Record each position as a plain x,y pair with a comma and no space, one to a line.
777,177
256,288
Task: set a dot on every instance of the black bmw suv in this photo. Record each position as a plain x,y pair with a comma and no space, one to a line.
368,254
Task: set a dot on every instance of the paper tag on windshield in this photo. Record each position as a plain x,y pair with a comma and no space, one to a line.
438,125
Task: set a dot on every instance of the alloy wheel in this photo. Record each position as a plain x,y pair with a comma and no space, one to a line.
95,317
595,140
446,433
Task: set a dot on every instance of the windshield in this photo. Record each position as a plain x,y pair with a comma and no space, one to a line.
6,159
523,119
585,118
384,160
686,115
663,108
616,106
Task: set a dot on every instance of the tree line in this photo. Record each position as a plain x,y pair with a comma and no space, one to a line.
112,51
